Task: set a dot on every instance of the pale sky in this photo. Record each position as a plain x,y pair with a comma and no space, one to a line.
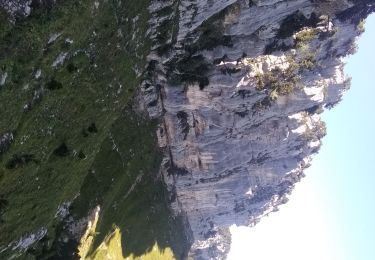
331,213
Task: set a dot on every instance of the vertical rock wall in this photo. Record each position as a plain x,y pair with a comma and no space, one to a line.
240,89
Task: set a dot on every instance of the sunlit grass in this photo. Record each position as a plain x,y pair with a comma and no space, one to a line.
111,248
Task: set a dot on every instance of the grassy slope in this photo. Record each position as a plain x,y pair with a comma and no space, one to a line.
93,86
137,203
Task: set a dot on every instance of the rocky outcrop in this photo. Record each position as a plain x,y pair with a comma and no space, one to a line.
239,86
23,8
16,8
6,140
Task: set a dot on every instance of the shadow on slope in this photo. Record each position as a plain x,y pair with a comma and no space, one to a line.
124,181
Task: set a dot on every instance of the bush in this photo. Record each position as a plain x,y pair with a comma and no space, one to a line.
92,128
308,62
262,104
53,84
361,26
278,82
61,151
305,36
20,160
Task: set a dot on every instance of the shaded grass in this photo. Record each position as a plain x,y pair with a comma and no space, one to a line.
124,180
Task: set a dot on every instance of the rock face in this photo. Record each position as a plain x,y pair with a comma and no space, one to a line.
240,86
6,140
16,8
23,8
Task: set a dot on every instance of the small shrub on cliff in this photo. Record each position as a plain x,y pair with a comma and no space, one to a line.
278,82
262,104
361,26
284,87
305,36
307,61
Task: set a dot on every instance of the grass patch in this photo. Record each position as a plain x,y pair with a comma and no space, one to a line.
111,248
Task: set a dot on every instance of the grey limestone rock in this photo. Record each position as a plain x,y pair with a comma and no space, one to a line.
6,140
235,147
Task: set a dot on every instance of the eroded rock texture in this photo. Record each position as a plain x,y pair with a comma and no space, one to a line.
240,86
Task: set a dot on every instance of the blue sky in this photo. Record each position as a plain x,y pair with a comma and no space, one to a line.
331,213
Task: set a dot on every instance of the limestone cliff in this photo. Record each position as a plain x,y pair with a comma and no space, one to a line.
240,88
230,90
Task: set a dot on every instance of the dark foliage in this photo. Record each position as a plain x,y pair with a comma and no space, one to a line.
183,123
294,23
81,155
20,160
53,84
276,46
61,151
92,128
314,109
261,104
71,67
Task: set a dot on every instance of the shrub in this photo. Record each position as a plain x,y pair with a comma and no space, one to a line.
183,123
61,151
308,62
262,104
305,36
92,128
361,26
284,87
278,82
53,84
71,67
20,160
81,155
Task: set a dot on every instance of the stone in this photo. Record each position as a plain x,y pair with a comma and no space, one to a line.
6,139
237,147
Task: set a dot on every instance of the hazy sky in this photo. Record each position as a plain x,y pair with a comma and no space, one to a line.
331,213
